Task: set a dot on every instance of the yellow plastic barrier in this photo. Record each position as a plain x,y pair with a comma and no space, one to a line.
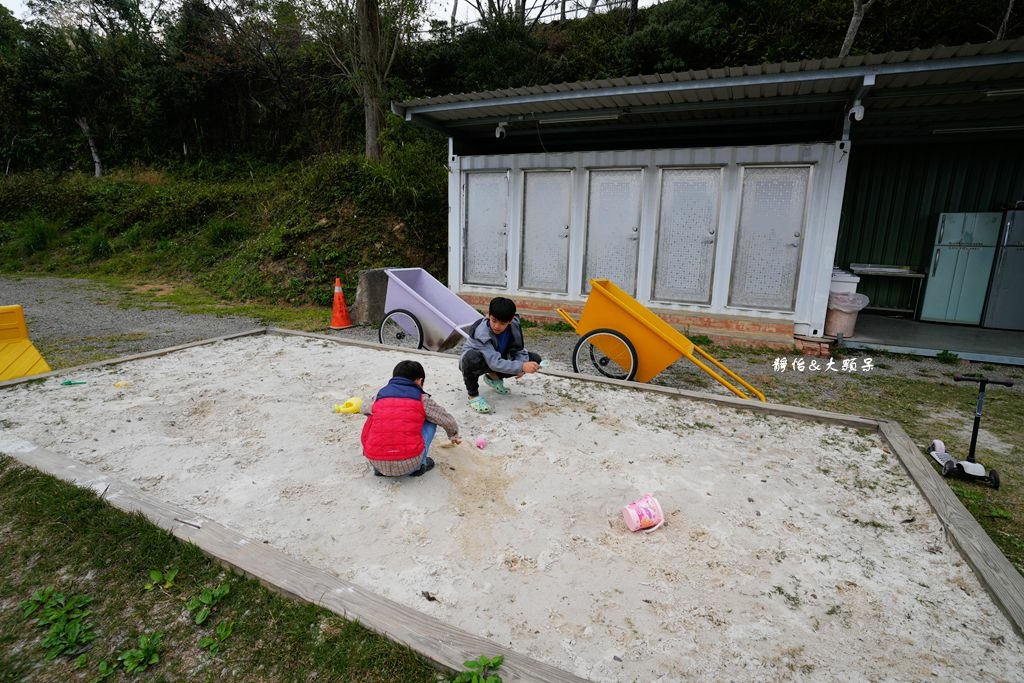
18,357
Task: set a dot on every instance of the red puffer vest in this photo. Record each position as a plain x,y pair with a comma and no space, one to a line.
395,429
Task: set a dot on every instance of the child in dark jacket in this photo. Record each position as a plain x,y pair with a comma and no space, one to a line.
495,350
401,423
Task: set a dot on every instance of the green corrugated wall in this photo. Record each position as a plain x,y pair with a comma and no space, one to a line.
895,193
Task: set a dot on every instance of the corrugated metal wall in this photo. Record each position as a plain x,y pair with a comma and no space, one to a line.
895,193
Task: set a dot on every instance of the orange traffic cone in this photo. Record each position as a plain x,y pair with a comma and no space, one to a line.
339,320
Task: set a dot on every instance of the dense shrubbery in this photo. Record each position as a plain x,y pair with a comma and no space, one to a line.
272,237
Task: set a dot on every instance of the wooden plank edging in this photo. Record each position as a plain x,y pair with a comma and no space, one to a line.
1002,581
134,356
444,645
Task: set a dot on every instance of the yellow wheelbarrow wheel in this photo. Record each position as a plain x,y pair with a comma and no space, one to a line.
605,353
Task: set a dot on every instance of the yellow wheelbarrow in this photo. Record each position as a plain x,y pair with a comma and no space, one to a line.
622,339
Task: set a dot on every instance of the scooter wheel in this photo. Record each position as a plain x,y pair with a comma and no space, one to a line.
948,468
993,479
937,447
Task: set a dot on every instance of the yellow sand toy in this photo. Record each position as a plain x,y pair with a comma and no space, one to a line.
621,339
18,357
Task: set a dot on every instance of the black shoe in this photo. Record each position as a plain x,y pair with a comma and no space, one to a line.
424,468
377,473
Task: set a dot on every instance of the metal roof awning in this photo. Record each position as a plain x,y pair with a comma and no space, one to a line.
975,89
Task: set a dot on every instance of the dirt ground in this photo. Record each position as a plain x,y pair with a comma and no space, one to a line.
792,549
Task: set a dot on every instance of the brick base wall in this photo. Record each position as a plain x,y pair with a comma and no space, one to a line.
814,347
721,329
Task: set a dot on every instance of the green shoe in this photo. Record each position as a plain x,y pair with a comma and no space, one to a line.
497,384
478,404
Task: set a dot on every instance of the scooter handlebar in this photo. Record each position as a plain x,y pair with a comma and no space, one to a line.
971,378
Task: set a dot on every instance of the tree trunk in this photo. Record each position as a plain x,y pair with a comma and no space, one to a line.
859,10
561,16
7,171
369,48
372,116
593,7
1001,33
455,8
97,165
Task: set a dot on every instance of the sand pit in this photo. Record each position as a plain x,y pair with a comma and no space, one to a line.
791,548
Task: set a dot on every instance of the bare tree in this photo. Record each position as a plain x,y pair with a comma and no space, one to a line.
1001,33
103,16
522,12
860,8
93,149
361,39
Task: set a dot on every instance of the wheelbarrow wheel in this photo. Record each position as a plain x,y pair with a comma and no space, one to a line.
606,353
401,328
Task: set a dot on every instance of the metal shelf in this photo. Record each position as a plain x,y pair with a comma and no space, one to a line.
880,270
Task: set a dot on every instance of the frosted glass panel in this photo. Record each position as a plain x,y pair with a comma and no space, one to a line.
767,254
613,228
546,231
485,233
687,234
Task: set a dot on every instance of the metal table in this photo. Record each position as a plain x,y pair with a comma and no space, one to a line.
878,270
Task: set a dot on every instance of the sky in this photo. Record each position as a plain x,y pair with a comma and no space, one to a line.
441,9
17,7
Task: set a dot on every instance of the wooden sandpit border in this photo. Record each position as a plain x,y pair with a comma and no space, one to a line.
446,646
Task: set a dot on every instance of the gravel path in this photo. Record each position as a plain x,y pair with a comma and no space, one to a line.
75,321
102,322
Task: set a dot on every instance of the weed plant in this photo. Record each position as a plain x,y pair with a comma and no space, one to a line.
67,556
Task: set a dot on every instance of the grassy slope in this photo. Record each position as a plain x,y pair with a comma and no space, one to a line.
276,238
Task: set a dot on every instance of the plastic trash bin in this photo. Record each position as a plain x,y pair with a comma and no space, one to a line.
843,281
841,317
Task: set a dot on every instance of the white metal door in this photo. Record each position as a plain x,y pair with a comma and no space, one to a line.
485,232
545,251
687,234
766,259
613,228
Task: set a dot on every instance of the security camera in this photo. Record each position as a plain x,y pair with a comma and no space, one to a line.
499,130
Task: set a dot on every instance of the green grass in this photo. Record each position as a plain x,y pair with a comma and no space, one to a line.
54,534
84,350
190,298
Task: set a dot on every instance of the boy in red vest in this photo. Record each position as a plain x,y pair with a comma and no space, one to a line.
401,423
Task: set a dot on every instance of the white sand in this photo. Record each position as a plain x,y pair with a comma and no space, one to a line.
792,549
